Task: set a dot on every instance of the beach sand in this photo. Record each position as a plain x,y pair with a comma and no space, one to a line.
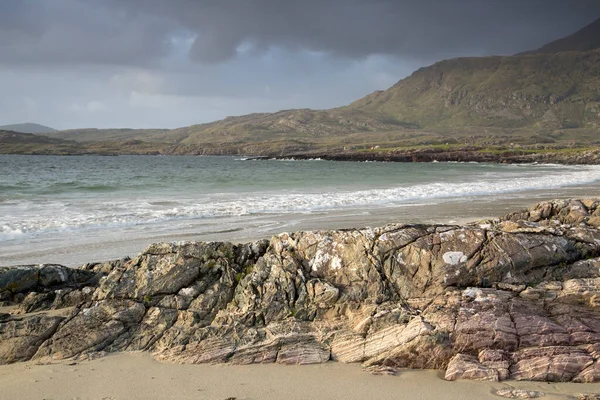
130,376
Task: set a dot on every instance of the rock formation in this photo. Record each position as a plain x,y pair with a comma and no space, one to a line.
516,297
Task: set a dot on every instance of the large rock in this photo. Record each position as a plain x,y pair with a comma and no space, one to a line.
21,338
463,366
560,363
20,279
92,329
517,297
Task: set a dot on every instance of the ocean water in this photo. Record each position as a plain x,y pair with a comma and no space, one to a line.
73,210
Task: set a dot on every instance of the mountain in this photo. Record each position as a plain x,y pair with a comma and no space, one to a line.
550,95
554,87
534,92
282,132
587,38
27,128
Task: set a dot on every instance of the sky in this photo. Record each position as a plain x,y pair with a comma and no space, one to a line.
165,64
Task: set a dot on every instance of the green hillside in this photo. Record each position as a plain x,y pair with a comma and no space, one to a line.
534,92
27,143
89,135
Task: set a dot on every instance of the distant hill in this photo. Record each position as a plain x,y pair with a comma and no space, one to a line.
95,135
7,137
27,128
281,132
27,143
585,39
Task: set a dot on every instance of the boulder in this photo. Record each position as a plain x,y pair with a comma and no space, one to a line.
464,366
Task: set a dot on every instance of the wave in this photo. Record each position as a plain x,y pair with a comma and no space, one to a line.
9,231
73,186
6,188
82,187
129,212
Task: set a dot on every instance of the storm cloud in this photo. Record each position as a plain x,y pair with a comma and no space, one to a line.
114,62
137,31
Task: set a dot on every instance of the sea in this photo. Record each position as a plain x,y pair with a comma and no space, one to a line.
73,210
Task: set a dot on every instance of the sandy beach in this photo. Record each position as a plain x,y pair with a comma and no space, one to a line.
131,376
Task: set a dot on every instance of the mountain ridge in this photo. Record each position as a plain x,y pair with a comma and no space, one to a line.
535,90
585,39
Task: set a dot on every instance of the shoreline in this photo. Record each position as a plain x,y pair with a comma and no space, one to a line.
563,155
587,156
134,376
72,250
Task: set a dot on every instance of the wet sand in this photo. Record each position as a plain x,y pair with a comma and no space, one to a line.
138,376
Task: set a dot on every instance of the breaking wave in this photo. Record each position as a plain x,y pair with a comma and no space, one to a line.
60,216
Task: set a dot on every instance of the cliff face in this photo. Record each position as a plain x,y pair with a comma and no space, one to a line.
514,298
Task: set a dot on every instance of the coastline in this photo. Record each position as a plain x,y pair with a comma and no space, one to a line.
527,154
437,238
576,156
133,376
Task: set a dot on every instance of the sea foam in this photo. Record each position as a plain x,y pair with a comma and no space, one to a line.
87,213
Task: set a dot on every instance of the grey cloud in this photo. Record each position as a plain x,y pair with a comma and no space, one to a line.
423,29
214,47
78,31
137,32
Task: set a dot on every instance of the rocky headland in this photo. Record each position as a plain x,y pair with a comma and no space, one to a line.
512,298
586,156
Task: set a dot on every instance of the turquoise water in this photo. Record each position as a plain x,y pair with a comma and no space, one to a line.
50,202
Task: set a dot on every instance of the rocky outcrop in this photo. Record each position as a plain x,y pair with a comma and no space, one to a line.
467,153
517,297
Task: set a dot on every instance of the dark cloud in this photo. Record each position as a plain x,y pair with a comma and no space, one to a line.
79,31
428,29
136,32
